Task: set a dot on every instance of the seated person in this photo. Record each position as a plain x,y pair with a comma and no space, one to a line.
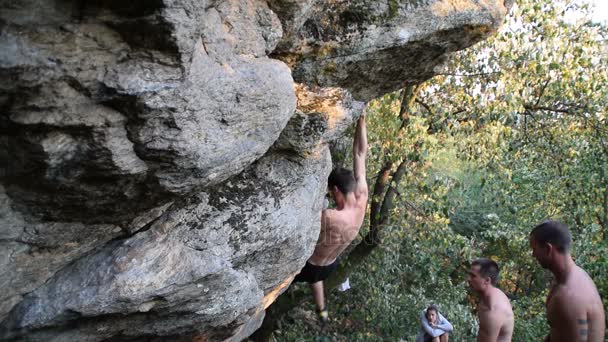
433,326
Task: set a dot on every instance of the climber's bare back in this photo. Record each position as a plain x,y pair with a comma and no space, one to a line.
340,226
338,229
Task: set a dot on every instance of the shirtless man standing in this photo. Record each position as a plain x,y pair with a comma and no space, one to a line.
574,309
494,310
339,226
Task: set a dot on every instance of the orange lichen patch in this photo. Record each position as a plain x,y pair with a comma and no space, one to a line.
330,67
202,338
447,7
482,30
291,60
327,101
307,51
327,49
270,297
257,316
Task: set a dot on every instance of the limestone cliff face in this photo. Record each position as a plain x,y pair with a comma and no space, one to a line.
163,163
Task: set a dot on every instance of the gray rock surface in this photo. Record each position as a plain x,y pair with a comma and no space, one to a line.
374,47
94,110
204,263
163,163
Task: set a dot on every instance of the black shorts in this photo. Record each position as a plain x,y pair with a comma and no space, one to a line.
313,273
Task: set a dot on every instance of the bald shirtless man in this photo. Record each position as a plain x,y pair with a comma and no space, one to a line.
494,309
574,309
339,226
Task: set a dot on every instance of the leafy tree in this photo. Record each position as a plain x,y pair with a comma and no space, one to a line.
513,132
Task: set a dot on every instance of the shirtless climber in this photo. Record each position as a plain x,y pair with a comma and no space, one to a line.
496,320
574,309
339,226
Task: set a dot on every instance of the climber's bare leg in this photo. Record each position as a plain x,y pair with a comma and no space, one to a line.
318,295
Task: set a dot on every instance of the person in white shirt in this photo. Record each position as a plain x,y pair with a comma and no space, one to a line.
433,326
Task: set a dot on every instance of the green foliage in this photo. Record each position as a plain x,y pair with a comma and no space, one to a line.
514,132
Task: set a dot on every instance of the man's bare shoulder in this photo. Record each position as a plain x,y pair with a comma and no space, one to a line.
328,217
498,310
584,280
574,309
333,218
577,295
333,213
578,291
501,301
328,211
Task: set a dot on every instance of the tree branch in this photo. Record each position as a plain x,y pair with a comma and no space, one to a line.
426,106
407,104
534,108
373,237
471,75
542,92
379,190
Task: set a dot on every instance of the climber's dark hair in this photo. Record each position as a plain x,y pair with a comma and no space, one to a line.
343,179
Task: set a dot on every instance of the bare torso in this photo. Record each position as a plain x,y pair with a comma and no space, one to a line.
497,313
338,229
575,310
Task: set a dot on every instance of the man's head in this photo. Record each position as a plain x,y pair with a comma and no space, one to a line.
342,180
483,273
431,314
549,239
